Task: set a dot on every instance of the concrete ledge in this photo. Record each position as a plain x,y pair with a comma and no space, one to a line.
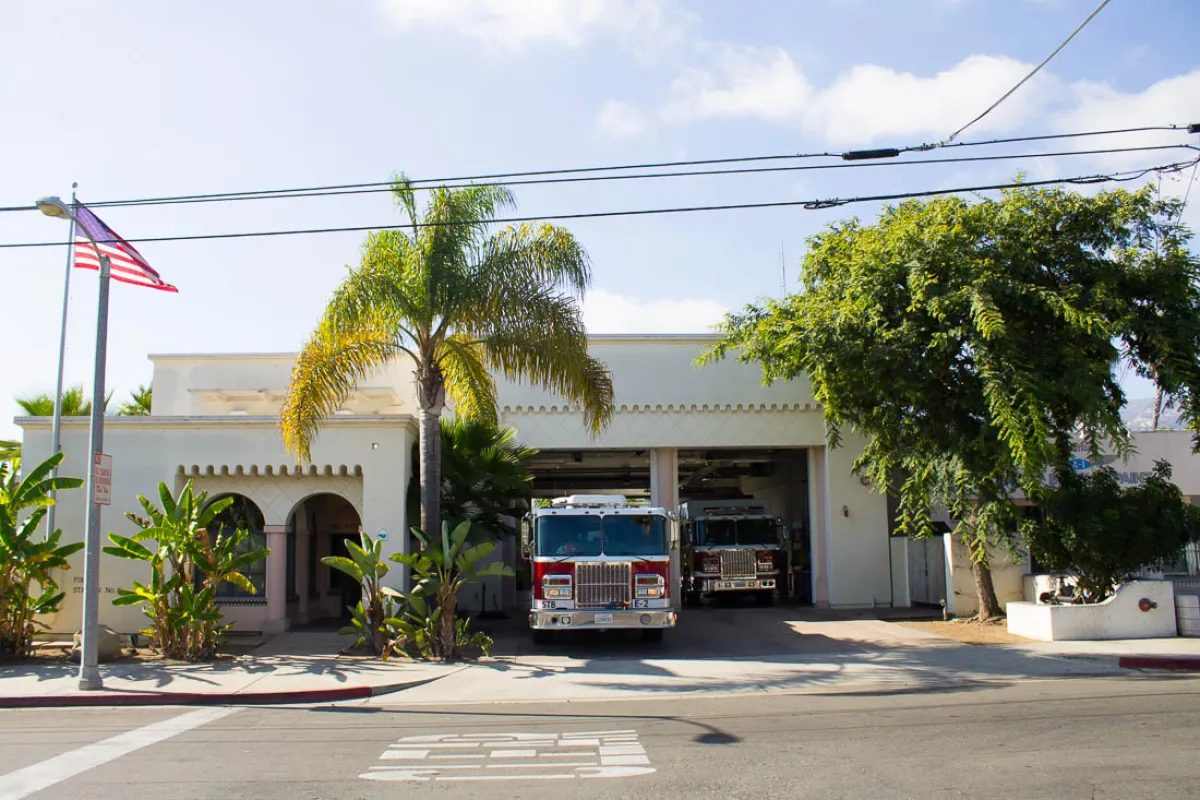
1118,617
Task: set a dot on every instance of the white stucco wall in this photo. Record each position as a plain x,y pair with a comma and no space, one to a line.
858,542
243,454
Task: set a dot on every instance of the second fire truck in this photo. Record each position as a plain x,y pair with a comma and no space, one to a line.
600,562
731,546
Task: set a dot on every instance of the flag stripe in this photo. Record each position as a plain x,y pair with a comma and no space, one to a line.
127,265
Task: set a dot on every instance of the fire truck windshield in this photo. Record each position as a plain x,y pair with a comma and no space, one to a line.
595,534
730,532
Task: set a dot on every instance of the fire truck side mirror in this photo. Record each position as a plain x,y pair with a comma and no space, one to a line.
526,543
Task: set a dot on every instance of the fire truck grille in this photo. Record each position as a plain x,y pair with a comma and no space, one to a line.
603,583
738,564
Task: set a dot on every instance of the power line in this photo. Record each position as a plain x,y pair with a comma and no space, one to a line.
809,205
850,156
1033,72
853,164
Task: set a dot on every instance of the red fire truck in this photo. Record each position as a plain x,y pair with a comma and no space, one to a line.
601,562
731,546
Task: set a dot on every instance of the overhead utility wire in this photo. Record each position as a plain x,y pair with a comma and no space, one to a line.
853,164
1033,72
850,155
808,205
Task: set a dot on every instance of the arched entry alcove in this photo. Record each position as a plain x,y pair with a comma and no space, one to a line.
319,526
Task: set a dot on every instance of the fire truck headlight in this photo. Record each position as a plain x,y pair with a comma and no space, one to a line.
557,587
648,585
765,566
711,565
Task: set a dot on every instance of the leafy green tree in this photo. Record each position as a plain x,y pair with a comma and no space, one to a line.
1092,527
440,569
187,566
485,476
28,559
138,404
459,301
971,342
10,450
73,404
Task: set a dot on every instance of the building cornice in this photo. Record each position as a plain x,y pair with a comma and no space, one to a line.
247,420
671,408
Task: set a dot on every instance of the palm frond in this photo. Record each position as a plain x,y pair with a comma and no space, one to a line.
469,385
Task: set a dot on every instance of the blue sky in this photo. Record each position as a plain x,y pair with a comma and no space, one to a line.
137,99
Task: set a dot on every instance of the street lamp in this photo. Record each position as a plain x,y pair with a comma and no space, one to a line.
89,669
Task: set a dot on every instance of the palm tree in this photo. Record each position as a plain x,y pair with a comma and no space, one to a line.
10,450
485,476
459,301
73,404
139,403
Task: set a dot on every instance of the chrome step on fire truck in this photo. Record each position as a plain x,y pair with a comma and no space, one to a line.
600,562
731,546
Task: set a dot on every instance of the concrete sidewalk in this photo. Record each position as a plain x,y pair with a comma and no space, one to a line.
824,657
299,667
1175,653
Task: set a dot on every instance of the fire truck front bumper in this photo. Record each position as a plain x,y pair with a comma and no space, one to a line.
591,619
739,585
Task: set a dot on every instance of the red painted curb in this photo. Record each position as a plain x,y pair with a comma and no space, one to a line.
191,698
1153,662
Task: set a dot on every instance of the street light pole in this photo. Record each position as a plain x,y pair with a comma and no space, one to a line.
89,668
56,434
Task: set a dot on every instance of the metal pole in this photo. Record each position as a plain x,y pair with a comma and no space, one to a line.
89,669
56,445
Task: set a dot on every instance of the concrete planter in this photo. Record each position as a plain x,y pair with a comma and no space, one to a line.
1122,616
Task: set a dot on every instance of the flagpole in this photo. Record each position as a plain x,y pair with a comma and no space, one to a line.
56,446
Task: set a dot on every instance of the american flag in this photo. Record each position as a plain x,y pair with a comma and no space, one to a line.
128,265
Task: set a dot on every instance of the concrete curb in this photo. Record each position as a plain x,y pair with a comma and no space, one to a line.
333,695
1184,663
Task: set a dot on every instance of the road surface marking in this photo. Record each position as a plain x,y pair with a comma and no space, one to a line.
35,777
539,756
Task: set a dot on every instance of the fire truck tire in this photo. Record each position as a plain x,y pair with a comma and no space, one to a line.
543,637
652,636
765,598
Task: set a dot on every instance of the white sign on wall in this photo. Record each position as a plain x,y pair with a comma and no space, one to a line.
102,479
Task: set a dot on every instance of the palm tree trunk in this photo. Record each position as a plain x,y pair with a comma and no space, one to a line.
431,398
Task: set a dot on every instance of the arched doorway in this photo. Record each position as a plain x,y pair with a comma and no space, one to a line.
243,514
319,526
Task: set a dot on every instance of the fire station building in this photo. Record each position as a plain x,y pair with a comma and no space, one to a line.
680,432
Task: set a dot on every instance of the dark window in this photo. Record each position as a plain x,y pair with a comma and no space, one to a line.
243,514
594,534
634,535
729,532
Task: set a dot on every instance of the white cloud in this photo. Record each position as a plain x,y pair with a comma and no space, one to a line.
864,104
609,312
512,24
618,120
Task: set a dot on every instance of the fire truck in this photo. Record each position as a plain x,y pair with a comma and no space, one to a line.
601,562
731,546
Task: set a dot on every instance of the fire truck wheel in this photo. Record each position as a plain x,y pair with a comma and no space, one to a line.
543,637
652,636
766,598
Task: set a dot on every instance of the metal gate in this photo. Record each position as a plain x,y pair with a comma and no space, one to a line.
927,570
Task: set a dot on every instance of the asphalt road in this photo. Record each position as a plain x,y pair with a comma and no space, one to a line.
1130,737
